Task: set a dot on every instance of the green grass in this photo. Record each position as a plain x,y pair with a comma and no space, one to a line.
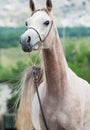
13,61
10,56
78,56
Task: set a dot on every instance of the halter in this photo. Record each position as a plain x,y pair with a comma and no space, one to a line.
39,34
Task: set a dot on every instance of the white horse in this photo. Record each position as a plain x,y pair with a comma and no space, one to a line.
65,97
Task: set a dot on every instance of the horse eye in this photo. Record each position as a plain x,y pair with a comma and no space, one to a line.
46,23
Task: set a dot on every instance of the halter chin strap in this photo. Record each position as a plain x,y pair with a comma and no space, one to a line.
39,34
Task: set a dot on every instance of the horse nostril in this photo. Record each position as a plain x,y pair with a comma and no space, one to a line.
29,39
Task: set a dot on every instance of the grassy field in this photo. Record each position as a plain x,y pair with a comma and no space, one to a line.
77,50
11,56
13,61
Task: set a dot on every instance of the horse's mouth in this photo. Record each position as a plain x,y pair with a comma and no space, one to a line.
25,47
28,48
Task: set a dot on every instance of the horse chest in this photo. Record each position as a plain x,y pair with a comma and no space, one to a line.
58,116
54,120
57,121
54,116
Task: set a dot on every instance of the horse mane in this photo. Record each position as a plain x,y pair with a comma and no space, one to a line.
23,117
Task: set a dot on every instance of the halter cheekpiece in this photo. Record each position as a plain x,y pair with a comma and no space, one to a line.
42,40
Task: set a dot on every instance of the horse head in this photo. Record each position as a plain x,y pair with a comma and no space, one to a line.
39,28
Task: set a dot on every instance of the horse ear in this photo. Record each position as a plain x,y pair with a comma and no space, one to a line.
49,5
32,6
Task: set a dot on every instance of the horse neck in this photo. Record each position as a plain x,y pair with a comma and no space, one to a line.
55,67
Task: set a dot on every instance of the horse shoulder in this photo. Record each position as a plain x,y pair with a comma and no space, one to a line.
81,88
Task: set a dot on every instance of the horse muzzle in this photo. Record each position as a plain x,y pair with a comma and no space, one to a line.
25,43
30,40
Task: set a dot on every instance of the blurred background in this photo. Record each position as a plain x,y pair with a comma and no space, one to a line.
73,24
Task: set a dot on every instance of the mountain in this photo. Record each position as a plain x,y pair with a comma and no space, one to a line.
13,13
68,12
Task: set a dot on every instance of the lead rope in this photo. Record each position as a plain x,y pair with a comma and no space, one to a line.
36,87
